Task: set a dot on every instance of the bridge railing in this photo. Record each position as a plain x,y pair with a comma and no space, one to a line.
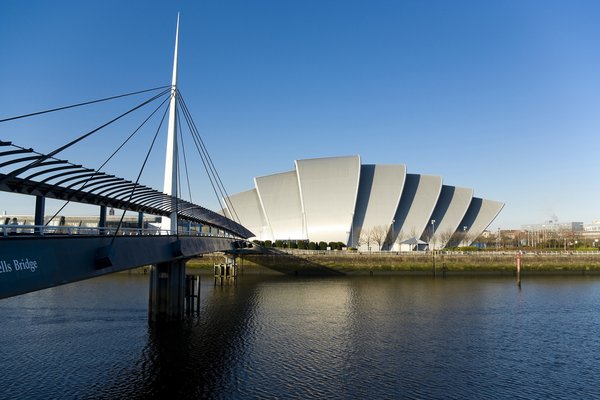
53,230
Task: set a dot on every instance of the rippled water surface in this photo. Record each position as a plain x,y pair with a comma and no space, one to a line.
280,337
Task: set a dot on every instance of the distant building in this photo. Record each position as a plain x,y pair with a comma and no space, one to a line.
593,227
554,226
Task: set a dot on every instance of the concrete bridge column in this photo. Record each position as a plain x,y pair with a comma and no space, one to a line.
140,221
40,210
102,222
167,291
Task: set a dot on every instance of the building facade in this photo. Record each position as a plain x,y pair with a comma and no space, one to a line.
554,226
338,199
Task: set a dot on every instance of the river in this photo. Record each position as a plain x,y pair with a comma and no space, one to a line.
278,337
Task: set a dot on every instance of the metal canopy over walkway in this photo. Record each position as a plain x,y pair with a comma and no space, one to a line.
30,261
59,179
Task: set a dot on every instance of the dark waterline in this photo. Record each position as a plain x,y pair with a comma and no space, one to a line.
281,337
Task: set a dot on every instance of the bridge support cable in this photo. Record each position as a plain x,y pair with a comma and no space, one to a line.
200,150
185,164
99,169
207,161
141,170
41,159
45,157
81,104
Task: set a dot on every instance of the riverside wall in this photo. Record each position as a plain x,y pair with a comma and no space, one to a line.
347,263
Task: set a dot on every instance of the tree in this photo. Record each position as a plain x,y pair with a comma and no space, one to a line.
467,239
365,238
444,237
379,235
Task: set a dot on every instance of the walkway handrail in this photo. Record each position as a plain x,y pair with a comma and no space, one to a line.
10,230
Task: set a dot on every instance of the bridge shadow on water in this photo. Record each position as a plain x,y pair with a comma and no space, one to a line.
201,357
197,358
289,264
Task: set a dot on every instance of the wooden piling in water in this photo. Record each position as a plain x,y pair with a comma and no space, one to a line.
225,273
192,294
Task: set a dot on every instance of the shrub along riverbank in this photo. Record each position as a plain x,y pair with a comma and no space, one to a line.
342,262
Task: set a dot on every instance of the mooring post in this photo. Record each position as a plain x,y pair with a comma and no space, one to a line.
519,269
192,295
167,291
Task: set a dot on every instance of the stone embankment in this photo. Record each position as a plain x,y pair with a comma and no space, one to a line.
346,262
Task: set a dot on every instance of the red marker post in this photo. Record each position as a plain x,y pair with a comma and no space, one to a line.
519,269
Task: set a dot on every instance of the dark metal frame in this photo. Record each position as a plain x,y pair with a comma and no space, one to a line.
113,191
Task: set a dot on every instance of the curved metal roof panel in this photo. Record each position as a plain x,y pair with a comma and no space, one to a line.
479,216
419,197
246,207
279,197
450,209
328,191
379,194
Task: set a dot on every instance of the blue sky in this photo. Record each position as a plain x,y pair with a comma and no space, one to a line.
500,96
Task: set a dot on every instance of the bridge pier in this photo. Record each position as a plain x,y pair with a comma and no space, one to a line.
102,222
140,222
40,210
167,291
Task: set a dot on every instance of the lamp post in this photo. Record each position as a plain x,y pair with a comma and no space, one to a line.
351,239
433,249
498,240
464,238
392,238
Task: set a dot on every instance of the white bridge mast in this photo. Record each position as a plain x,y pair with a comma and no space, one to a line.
170,183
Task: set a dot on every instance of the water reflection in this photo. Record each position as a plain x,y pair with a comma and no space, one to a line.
196,359
286,337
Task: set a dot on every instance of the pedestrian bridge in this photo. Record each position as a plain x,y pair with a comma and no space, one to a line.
42,255
30,262
39,256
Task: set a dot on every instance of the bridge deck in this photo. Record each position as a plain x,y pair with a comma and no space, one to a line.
29,263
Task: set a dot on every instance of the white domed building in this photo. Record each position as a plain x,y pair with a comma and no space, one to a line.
338,199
